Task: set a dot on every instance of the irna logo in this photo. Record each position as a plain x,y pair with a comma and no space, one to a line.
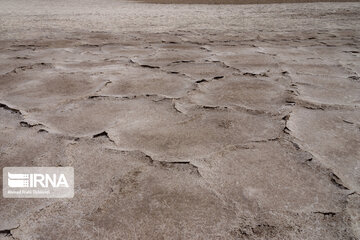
16,180
38,182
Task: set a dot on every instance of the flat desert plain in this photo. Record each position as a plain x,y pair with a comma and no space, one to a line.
183,121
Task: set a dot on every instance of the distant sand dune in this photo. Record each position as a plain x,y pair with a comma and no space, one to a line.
236,1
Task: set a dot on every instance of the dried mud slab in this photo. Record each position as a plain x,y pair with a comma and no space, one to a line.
282,184
178,137
39,89
137,81
24,144
133,180
183,122
327,90
171,54
336,142
257,95
200,70
252,63
318,70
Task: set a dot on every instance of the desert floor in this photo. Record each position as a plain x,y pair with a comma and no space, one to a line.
183,121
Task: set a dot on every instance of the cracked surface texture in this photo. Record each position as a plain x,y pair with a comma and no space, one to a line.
183,121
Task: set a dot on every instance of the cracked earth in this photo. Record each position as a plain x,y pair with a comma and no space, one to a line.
227,128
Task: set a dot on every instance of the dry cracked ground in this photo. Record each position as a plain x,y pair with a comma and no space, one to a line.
183,121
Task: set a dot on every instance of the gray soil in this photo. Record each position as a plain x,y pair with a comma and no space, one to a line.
183,121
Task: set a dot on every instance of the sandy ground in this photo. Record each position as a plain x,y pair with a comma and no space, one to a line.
183,121
237,1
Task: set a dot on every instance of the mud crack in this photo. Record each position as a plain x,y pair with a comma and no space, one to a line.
12,110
